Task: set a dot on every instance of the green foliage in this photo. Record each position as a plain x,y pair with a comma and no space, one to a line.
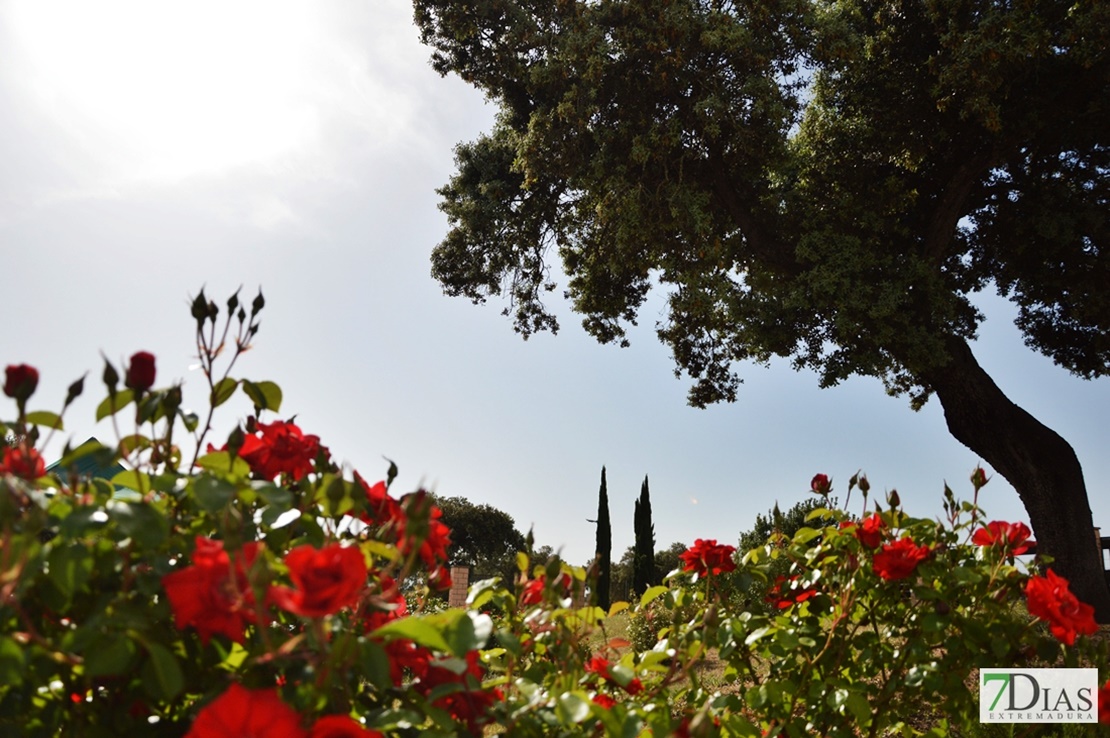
482,537
641,630
134,612
781,525
799,174
768,536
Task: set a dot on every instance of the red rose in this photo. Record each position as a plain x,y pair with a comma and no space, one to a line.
603,700
870,531
1049,599
600,665
533,590
380,507
209,596
821,484
247,713
1012,537
140,372
708,557
20,381
419,528
326,580
341,726
440,578
979,478
282,449
785,592
24,462
899,559
468,702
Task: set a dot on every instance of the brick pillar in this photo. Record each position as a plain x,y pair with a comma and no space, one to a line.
460,582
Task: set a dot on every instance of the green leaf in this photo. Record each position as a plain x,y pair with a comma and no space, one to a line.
167,672
221,461
45,418
12,662
128,444
132,479
109,655
213,493
81,521
651,594
860,709
223,391
758,633
141,522
416,629
264,395
112,405
373,664
622,674
805,535
483,591
191,420
70,568
276,497
459,632
572,707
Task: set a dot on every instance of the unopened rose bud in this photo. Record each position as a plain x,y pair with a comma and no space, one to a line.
140,372
20,381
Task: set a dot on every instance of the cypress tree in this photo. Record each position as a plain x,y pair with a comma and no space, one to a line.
604,546
643,567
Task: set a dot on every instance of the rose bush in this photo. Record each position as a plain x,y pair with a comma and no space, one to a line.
260,589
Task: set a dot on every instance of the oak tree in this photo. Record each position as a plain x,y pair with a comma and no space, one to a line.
482,537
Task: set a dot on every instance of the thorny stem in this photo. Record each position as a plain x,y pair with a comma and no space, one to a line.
208,350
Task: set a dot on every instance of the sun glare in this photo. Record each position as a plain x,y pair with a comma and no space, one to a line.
163,89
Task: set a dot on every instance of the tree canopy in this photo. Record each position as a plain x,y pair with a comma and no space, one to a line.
831,181
482,537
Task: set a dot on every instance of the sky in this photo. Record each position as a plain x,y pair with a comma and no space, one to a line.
148,150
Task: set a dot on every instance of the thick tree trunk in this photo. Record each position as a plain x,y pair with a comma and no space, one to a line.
1040,465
